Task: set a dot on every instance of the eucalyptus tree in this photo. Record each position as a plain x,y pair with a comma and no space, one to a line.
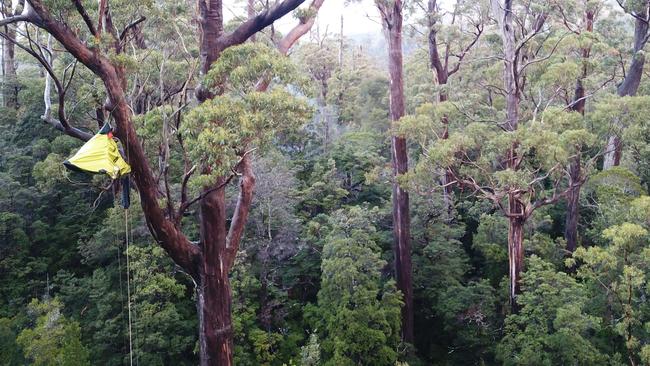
449,44
516,163
92,37
584,56
583,29
391,12
640,11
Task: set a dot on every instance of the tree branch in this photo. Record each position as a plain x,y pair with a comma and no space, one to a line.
62,123
13,19
256,24
303,26
164,231
477,35
131,25
84,14
246,186
186,204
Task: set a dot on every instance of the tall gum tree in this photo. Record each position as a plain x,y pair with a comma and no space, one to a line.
210,261
445,59
584,30
509,162
391,15
640,11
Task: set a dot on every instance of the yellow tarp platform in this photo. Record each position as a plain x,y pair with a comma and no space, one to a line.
99,155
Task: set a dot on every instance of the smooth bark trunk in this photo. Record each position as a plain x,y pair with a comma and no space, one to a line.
628,87
214,292
399,157
10,89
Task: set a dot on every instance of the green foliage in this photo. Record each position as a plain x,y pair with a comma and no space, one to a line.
359,315
310,353
553,326
164,323
312,282
618,276
222,129
52,339
11,354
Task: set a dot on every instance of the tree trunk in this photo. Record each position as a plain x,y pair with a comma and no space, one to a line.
210,29
214,292
516,211
214,301
441,74
573,207
573,194
399,157
509,76
628,87
515,251
10,88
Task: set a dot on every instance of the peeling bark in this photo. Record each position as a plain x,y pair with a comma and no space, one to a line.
515,253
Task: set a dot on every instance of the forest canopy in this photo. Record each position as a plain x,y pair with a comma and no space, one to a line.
466,183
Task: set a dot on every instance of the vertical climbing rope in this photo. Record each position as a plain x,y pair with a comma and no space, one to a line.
128,284
119,272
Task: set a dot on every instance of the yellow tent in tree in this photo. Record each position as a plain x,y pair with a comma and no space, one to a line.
99,155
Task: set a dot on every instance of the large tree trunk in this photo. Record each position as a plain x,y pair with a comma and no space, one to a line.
509,73
399,156
214,293
215,328
573,194
628,87
516,211
210,29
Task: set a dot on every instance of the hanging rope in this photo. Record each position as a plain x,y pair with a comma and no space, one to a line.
119,271
128,284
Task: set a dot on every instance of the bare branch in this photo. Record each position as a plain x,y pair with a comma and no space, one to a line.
303,26
84,14
550,54
259,22
131,25
477,35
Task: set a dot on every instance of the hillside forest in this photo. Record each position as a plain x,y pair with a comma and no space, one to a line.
464,184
